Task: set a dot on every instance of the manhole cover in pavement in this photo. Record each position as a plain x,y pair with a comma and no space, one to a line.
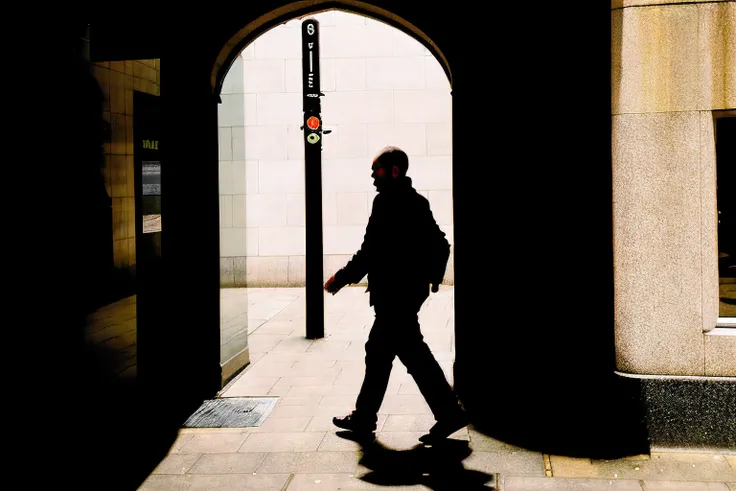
231,412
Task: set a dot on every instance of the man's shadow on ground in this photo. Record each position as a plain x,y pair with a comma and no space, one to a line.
437,467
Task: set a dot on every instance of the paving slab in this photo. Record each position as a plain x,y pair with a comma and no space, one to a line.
297,447
304,462
558,484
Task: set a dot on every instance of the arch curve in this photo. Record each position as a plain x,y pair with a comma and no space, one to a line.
238,42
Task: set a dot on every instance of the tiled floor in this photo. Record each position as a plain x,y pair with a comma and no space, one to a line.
297,447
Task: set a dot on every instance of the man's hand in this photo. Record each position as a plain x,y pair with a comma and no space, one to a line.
435,288
331,286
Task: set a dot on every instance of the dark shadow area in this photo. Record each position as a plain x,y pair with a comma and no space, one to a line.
439,467
102,430
598,418
534,285
120,436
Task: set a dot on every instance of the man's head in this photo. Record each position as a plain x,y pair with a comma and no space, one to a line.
389,166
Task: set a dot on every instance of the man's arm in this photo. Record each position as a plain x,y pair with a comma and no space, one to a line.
357,267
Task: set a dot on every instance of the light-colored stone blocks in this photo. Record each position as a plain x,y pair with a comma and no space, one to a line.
261,210
439,138
347,41
343,240
440,203
279,44
295,143
281,176
410,137
281,241
333,262
720,354
231,111
329,208
239,183
293,75
232,177
347,175
249,52
238,142
233,81
657,243
431,173
226,211
239,204
708,222
352,209
396,73
266,271
265,142
436,76
295,210
297,271
405,45
423,106
672,58
351,140
251,241
264,76
717,54
326,75
251,109
358,107
262,145
350,74
233,242
279,109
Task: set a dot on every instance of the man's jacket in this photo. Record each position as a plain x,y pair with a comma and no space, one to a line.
403,249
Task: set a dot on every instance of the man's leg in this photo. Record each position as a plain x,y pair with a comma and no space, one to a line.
379,357
429,377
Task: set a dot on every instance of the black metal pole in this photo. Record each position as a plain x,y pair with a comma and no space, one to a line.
313,178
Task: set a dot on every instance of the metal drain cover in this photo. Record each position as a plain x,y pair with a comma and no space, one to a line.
231,412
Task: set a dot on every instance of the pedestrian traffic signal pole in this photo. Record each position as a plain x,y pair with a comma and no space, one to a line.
315,313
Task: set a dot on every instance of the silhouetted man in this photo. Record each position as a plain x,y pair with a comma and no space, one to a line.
403,253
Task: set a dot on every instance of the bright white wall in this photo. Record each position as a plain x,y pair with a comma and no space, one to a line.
381,88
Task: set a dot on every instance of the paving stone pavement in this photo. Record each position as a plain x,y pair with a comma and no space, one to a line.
297,448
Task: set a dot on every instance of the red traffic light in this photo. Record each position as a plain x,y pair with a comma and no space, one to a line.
313,122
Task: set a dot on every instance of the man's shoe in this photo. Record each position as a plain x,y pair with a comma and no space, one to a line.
443,429
354,424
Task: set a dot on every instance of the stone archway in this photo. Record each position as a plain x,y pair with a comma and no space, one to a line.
270,22
292,10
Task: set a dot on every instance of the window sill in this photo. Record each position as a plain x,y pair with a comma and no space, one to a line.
724,327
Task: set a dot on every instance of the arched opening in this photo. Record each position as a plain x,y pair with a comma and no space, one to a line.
253,30
427,155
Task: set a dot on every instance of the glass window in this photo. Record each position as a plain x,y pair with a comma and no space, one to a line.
725,134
